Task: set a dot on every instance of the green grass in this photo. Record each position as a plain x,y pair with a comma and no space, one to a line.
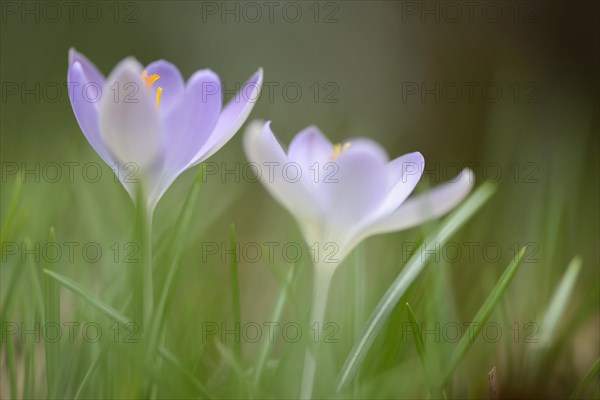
545,298
169,358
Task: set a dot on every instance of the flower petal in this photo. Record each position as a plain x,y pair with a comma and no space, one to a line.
170,81
426,206
233,117
192,124
403,175
82,74
262,148
310,146
89,69
357,191
130,125
189,126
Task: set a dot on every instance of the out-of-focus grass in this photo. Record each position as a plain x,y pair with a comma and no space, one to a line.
546,200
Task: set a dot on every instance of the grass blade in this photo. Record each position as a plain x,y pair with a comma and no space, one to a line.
181,233
30,368
171,359
586,380
10,213
419,344
235,292
275,317
123,320
408,275
88,374
559,302
12,368
483,314
52,316
99,305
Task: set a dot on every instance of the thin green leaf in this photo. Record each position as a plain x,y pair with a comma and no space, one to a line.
29,380
7,301
267,344
228,358
410,272
88,374
179,238
12,368
419,344
52,317
235,291
174,361
10,213
99,305
483,314
123,320
586,380
34,278
559,303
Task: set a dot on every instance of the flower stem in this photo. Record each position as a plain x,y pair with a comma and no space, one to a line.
322,280
144,297
147,260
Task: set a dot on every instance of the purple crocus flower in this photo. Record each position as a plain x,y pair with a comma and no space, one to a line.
148,124
348,192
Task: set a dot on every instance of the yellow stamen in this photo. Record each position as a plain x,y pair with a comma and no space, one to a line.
338,149
158,93
149,81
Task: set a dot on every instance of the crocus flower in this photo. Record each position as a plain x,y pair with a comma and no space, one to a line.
150,126
341,194
344,193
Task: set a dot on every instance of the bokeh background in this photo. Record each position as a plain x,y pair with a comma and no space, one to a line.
353,68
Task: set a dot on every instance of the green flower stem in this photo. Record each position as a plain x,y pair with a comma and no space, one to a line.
322,279
144,270
148,285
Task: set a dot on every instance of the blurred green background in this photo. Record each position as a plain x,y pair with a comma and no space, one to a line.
355,63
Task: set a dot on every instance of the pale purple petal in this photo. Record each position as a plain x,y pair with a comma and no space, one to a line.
308,147
403,175
91,72
358,190
189,126
86,87
233,117
426,206
192,124
263,149
130,125
171,83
